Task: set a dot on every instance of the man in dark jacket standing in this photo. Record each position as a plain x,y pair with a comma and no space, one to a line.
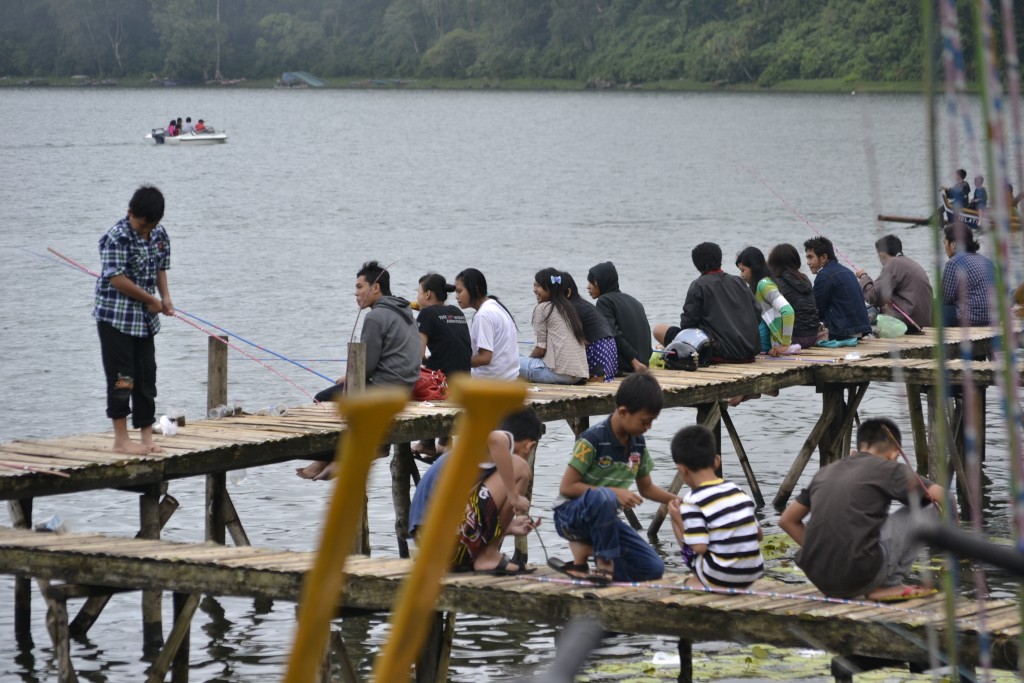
626,316
836,292
720,305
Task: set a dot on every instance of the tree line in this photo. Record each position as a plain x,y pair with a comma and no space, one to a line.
620,41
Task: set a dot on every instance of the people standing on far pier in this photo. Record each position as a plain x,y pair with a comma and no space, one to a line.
968,279
444,332
602,353
135,255
559,355
720,305
714,523
606,460
960,192
777,316
980,200
852,546
493,330
902,289
784,266
497,505
837,293
624,314
393,347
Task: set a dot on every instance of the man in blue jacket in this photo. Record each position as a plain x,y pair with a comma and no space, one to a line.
836,292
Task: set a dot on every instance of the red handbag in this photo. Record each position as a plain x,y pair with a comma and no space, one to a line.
431,386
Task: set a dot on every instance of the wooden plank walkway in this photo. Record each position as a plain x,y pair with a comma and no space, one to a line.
789,615
310,432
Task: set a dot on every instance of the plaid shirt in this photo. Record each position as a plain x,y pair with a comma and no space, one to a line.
978,277
124,252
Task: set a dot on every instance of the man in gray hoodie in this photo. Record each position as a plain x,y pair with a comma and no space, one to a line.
393,346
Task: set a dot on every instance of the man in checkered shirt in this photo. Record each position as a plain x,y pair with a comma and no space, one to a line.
135,255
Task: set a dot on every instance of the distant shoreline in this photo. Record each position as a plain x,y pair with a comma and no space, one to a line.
823,86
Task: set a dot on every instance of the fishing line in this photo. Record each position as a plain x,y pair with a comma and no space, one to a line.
177,314
899,449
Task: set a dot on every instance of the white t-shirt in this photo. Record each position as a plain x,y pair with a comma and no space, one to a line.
494,330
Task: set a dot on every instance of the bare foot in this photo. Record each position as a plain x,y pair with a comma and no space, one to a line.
130,447
313,470
153,448
693,582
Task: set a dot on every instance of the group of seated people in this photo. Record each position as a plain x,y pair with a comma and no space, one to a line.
960,193
176,127
770,307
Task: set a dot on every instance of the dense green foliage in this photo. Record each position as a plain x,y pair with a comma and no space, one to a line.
618,41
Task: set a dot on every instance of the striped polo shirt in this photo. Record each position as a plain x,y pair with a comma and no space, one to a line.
721,516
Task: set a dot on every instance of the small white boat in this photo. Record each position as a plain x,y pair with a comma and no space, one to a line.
159,136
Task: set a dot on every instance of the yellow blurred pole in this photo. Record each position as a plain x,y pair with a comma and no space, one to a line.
368,416
486,402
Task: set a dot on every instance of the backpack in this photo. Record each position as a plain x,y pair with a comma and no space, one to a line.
431,386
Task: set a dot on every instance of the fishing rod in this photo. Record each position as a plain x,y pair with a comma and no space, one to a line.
818,232
899,448
177,314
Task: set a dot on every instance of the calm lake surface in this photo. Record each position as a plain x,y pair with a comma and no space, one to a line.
269,230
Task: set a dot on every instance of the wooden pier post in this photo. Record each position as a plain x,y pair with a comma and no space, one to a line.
152,617
20,512
402,465
917,427
355,383
432,664
216,394
522,544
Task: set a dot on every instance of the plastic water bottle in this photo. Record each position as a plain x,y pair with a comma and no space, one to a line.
276,410
237,477
219,412
168,427
177,415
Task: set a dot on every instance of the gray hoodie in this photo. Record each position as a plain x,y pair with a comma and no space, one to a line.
393,346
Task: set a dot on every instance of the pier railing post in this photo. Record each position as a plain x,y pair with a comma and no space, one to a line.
216,394
402,465
355,383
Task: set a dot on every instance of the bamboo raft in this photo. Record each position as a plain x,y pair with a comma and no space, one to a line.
789,615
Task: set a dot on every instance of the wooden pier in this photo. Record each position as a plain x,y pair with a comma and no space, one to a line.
211,448
776,613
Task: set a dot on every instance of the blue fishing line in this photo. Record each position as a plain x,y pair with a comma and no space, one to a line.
254,344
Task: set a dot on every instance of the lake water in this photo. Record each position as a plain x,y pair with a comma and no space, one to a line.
269,230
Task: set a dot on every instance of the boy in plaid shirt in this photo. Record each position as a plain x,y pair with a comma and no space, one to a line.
134,255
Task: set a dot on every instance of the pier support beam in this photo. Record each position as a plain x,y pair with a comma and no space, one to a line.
216,394
176,652
685,648
20,512
152,617
402,466
432,664
522,546
57,625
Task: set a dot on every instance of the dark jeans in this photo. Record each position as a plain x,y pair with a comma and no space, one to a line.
593,518
130,366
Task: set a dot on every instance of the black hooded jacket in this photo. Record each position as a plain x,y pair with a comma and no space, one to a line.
626,316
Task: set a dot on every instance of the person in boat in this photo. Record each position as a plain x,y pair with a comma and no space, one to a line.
968,279
393,347
852,546
624,314
777,316
784,267
606,460
135,255
720,305
493,332
714,523
444,332
960,192
980,200
188,127
837,293
172,128
200,126
602,354
496,506
559,355
179,125
902,289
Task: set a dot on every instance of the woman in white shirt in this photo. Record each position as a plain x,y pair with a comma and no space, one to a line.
493,331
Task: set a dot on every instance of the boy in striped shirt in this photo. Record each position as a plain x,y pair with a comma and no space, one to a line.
714,523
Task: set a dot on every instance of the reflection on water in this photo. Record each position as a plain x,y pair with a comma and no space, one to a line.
269,230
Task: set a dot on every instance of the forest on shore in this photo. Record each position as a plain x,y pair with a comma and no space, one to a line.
754,42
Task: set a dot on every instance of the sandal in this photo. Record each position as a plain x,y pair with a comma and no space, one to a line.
580,572
502,569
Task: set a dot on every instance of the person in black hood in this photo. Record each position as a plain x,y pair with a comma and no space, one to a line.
784,267
626,315
393,346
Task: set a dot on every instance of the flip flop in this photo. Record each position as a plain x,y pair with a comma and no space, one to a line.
502,569
908,593
580,572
